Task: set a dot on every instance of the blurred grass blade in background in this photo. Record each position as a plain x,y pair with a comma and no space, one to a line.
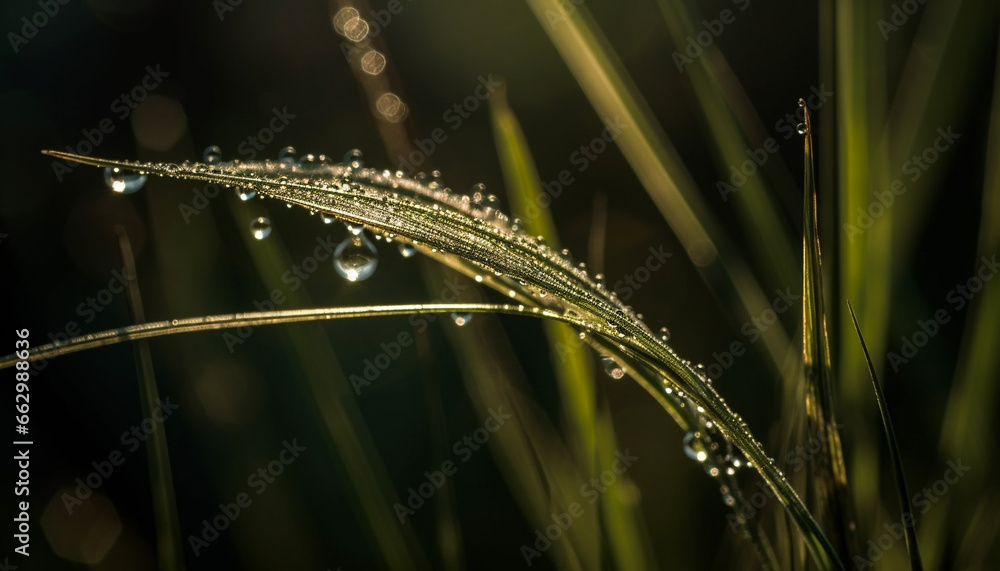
972,402
169,548
658,166
865,254
570,359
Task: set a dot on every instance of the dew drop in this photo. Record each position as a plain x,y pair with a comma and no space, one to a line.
355,229
327,219
694,448
801,128
354,158
287,155
461,319
612,368
355,258
407,250
246,193
664,334
212,155
123,183
260,228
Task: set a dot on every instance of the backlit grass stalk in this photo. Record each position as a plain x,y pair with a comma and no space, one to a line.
444,227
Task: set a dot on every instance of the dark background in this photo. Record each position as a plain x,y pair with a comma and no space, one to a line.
225,77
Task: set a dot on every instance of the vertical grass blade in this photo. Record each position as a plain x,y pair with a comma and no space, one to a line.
971,402
336,406
897,464
864,260
830,481
169,552
570,359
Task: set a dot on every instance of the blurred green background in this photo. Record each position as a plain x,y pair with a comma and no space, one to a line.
227,68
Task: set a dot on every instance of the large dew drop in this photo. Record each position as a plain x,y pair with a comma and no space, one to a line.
260,228
121,182
212,155
407,250
612,368
287,155
694,448
461,319
355,258
354,158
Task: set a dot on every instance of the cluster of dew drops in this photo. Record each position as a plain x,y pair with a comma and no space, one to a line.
356,258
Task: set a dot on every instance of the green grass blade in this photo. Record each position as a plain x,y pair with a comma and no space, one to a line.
447,228
720,96
571,361
337,409
169,550
830,481
897,464
975,389
658,166
865,260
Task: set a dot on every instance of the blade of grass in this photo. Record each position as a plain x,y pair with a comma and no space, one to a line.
658,166
974,391
335,403
572,363
830,485
449,230
865,260
897,464
169,549
766,227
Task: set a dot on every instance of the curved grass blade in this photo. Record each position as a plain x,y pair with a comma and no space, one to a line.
890,436
448,228
831,480
257,318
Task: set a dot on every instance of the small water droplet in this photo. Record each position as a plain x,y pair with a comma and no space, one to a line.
355,229
461,319
355,258
407,250
694,448
664,334
728,500
212,155
123,183
801,128
327,219
260,228
287,155
246,193
612,368
354,158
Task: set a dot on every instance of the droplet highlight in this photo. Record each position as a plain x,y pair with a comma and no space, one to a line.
356,258
123,183
260,227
